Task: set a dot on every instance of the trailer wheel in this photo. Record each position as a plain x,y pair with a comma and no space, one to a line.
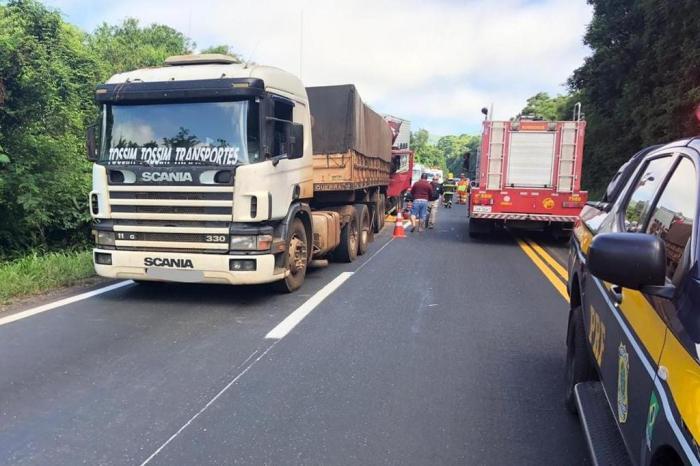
379,213
297,259
365,229
579,367
349,236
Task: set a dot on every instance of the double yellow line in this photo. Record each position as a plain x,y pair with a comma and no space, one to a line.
555,273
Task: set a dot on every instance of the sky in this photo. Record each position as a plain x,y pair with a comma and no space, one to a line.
435,63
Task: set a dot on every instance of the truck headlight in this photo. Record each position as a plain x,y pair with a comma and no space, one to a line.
105,238
244,243
251,243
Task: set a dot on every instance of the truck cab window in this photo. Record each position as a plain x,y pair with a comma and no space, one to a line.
639,203
672,218
280,135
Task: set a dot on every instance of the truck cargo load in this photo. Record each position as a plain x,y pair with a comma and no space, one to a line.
351,142
341,122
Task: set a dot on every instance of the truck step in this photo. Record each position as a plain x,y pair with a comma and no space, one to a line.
605,443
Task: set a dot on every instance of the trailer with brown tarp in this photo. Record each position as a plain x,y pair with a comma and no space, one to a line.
351,142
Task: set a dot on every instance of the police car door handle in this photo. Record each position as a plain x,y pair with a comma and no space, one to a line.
616,291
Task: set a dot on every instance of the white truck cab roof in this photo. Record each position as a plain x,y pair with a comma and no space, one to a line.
215,66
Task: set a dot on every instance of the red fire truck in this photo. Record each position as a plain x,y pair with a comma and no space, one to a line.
529,175
402,163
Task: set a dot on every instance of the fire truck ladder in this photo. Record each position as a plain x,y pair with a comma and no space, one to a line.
496,146
567,160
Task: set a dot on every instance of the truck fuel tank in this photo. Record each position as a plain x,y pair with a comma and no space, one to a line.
326,225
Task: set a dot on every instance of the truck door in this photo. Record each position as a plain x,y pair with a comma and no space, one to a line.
672,219
623,328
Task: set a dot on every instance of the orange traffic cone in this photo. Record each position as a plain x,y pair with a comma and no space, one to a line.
398,229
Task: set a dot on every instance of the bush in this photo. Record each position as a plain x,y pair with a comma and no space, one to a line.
36,273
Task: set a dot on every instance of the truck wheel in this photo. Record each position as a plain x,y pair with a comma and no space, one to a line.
296,260
379,213
349,236
579,367
365,230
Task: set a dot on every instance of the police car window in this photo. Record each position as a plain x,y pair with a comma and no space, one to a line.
652,175
672,219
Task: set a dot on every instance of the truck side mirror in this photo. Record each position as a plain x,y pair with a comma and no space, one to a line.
296,141
465,161
91,143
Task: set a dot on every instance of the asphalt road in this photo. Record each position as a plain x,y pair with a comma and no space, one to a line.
438,349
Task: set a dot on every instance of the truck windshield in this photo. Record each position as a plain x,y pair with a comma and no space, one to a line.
201,133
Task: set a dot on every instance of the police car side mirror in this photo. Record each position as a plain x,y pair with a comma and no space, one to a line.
631,260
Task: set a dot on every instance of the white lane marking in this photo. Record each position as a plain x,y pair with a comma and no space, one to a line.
209,403
373,255
293,319
62,302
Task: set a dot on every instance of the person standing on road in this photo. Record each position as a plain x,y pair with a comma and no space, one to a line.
421,191
462,189
434,200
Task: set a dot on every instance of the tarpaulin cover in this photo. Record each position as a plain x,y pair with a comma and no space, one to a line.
341,121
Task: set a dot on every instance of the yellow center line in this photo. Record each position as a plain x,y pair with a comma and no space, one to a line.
549,259
553,279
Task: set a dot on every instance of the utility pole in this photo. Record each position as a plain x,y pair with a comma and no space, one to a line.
301,44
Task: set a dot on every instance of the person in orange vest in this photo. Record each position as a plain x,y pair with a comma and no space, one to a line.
462,189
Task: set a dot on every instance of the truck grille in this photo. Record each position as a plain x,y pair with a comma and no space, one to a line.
172,218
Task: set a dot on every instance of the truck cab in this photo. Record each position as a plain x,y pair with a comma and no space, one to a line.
201,167
633,360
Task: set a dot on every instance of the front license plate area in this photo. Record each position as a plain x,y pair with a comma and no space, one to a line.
175,275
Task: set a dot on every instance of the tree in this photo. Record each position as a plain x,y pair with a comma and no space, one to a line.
129,46
47,77
639,87
550,108
224,50
426,153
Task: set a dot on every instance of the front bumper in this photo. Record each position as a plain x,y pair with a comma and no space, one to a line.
526,217
205,268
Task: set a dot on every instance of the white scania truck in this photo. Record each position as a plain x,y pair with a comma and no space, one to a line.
207,170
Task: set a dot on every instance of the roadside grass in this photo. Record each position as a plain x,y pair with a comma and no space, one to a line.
39,272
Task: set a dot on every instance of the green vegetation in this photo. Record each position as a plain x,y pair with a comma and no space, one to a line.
447,153
550,108
35,273
48,73
639,87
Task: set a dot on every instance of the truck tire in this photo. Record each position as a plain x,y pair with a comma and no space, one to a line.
349,235
579,367
379,212
365,229
297,259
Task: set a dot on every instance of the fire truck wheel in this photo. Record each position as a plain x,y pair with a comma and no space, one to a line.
479,227
347,249
579,367
296,260
365,231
